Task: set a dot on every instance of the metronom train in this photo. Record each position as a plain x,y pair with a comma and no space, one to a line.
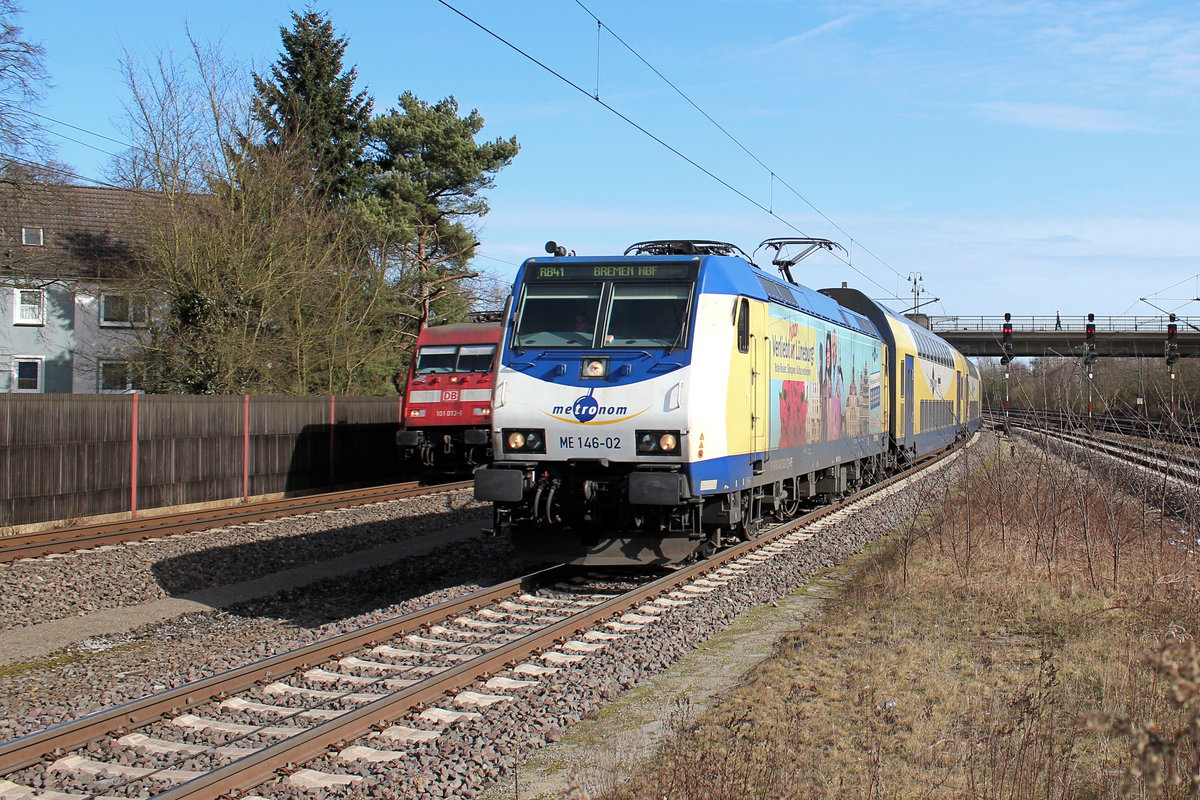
650,406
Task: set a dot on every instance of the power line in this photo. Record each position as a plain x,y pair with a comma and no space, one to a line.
82,143
68,173
82,130
647,133
774,175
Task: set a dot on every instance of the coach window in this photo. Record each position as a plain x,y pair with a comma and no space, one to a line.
743,326
648,315
558,315
29,307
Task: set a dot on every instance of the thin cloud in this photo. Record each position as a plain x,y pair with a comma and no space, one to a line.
813,33
1063,117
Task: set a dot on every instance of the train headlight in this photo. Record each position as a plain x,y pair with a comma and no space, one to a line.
594,368
524,440
657,443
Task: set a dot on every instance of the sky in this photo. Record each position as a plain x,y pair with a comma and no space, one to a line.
1017,156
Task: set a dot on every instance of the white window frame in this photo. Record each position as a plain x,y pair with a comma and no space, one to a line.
29,232
41,373
18,306
137,309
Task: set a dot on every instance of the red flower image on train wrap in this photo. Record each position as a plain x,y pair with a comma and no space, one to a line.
793,414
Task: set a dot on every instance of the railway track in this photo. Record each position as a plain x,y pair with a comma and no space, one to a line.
1173,460
330,714
1179,432
63,540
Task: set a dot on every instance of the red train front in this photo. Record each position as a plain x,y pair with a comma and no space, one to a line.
448,396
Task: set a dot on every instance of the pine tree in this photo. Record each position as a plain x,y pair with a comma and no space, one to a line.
424,191
308,107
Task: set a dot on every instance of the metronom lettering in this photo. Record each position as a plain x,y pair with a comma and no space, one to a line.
611,410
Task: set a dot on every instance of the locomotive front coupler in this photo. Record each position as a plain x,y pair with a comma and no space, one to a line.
501,523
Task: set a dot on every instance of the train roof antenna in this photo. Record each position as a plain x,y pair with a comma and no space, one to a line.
785,264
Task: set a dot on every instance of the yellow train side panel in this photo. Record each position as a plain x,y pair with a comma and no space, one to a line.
746,393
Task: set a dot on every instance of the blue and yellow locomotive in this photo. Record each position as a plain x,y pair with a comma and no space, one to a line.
652,405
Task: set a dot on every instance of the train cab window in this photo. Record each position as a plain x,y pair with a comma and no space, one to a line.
436,358
558,315
648,315
743,326
476,357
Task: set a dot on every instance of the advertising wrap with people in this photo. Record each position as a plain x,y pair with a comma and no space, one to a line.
826,382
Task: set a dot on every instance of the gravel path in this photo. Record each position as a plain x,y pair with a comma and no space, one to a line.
41,589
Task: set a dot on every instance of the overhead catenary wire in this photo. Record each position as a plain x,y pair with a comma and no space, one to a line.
1158,295
773,174
767,210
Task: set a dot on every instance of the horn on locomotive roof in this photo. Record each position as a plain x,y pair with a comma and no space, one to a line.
809,244
556,249
685,247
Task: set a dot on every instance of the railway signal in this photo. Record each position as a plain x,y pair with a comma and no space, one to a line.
1171,346
1089,346
1007,343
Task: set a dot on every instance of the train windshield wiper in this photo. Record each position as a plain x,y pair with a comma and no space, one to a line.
682,330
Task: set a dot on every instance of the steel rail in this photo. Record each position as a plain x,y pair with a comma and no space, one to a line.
1148,458
65,540
28,750
1167,462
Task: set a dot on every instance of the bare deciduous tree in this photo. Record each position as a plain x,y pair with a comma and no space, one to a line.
261,285
23,79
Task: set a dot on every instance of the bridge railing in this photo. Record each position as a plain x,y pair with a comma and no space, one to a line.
1124,324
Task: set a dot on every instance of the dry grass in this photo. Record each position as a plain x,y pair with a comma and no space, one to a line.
1032,637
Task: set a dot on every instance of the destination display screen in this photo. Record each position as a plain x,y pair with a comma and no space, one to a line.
608,272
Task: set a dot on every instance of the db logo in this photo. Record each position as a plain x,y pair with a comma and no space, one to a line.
449,394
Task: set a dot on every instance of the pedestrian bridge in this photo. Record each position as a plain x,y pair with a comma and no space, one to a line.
1067,336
